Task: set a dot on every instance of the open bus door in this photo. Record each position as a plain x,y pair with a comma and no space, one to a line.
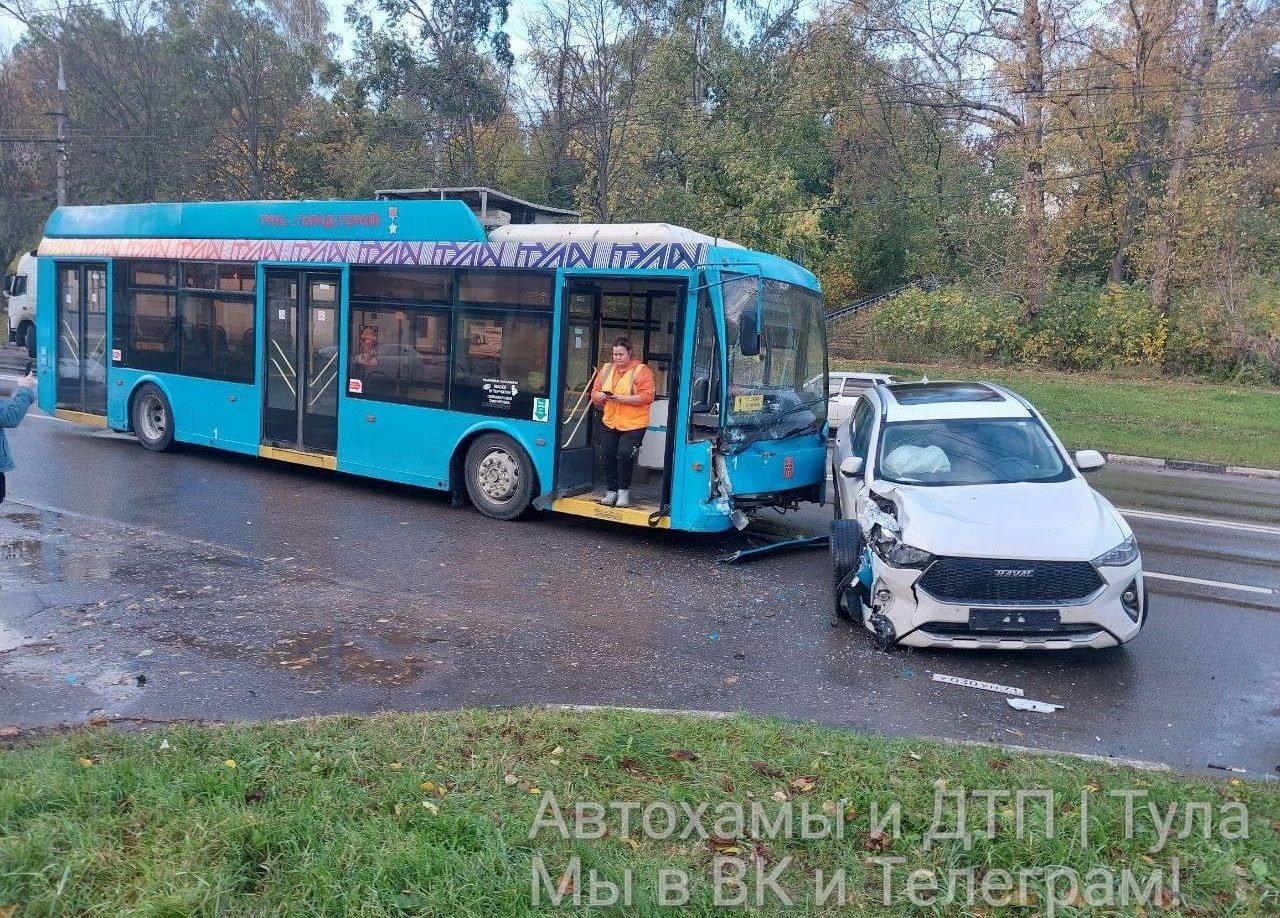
575,457
598,310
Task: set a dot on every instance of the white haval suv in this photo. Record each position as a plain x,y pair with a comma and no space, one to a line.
962,521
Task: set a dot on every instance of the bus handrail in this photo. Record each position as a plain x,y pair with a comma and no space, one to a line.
578,426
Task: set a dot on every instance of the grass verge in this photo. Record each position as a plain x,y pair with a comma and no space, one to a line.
433,815
1167,419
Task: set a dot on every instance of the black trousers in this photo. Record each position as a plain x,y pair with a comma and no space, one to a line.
620,448
1,487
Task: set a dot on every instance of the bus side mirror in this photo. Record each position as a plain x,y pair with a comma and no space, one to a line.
8,284
750,322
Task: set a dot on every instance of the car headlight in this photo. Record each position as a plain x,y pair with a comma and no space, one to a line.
1124,553
900,554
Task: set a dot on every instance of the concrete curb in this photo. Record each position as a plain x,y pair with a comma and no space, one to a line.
1184,465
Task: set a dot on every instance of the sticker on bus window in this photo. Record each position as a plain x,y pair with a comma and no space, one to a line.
322,315
748,402
116,356
368,354
280,316
355,386
541,409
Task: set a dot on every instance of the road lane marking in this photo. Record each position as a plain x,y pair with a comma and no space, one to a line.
1265,591
1203,521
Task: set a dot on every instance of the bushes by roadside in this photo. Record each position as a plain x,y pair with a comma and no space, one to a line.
1082,326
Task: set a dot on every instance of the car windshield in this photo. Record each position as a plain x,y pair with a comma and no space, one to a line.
767,391
969,451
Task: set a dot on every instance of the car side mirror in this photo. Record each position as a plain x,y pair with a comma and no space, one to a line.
850,466
1089,460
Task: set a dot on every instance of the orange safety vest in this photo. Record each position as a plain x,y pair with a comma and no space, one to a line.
635,380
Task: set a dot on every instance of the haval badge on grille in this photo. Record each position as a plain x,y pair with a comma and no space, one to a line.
1007,572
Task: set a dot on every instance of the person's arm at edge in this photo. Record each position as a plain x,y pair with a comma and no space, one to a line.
15,409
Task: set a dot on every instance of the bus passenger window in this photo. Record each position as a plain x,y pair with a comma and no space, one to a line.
399,354
153,340
501,362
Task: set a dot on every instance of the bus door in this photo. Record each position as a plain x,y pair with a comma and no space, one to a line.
300,363
82,339
576,454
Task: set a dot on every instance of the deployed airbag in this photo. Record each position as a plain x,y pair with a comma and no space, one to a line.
908,461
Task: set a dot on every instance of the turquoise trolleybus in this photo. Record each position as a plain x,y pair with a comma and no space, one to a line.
397,340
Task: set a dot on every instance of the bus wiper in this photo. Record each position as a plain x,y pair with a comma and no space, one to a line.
766,425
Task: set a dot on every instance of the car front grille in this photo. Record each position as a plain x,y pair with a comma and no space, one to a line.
985,581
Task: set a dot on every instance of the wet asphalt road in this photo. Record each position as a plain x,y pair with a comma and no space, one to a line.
238,588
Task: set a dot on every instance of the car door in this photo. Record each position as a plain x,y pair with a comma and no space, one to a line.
857,442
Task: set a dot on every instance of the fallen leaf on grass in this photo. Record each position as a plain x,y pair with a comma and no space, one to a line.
767,770
86,762
8,911
628,840
255,796
633,766
682,755
804,784
395,766
721,845
590,758
565,886
430,807
780,796
726,784
876,841
510,780
997,764
230,763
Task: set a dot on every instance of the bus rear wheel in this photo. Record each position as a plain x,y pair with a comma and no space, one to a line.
499,477
152,418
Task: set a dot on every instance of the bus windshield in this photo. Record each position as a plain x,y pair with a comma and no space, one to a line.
766,390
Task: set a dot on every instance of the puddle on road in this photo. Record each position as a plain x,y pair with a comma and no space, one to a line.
28,521
11,639
21,550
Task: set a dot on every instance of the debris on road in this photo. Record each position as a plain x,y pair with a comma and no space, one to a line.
975,683
770,548
1030,704
1217,767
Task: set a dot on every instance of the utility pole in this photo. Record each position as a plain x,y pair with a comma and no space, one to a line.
62,133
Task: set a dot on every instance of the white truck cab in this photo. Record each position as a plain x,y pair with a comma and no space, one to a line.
20,290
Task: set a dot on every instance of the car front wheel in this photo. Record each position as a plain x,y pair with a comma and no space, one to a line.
846,558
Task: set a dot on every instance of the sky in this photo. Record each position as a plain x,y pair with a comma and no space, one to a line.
11,29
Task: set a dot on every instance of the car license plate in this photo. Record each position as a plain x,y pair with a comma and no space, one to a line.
1033,620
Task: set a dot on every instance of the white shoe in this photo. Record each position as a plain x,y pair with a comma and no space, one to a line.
610,498
624,499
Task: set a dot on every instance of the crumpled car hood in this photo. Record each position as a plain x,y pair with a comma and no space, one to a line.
1065,520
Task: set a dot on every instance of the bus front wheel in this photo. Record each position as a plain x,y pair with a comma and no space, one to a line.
499,477
152,418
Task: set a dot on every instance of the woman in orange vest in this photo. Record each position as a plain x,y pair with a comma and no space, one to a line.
624,389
